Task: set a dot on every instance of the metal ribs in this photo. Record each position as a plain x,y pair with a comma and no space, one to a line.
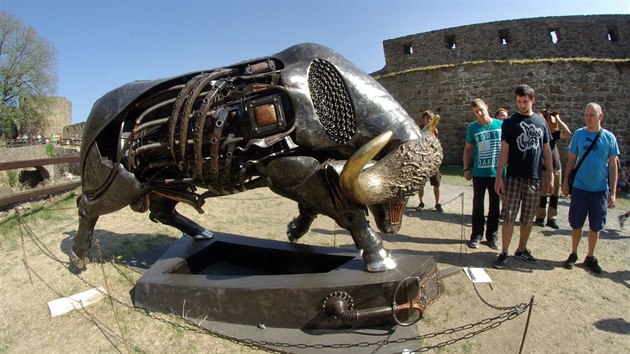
189,102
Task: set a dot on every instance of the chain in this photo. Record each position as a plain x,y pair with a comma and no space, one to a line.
461,195
486,324
24,227
500,308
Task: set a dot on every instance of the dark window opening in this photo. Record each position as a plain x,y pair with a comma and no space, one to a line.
408,49
504,37
613,35
450,42
554,35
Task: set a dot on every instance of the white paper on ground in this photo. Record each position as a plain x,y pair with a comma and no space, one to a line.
76,301
477,275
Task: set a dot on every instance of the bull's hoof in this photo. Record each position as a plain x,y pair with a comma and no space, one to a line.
79,262
292,232
205,235
379,262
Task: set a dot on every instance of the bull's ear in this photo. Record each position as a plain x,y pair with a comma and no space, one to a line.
350,175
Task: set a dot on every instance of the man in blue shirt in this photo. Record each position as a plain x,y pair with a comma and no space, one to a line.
591,194
483,144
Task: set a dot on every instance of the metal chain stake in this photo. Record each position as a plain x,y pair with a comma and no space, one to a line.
487,323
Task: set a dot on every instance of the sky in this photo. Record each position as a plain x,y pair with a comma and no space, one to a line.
103,44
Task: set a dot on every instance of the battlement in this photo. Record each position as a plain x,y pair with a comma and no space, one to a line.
593,36
569,61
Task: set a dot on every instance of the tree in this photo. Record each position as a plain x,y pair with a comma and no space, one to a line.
27,75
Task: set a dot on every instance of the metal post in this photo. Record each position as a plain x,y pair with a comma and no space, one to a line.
529,314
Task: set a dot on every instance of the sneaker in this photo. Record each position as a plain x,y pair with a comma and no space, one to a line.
474,243
526,256
493,245
553,224
592,264
501,261
539,222
420,206
438,208
622,219
570,262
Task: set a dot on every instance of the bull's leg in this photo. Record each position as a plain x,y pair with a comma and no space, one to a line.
304,180
100,197
163,211
82,243
369,243
301,223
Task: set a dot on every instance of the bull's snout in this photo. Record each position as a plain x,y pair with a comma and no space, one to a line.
396,176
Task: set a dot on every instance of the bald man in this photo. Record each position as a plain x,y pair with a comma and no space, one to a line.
591,195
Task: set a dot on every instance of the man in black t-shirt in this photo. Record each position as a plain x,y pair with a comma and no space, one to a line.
525,141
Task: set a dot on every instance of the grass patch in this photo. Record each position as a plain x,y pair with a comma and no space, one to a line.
42,213
453,174
623,202
584,60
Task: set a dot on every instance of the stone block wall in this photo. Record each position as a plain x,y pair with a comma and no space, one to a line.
598,36
563,81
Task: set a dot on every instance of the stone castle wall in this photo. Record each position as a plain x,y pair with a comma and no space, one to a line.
444,70
57,114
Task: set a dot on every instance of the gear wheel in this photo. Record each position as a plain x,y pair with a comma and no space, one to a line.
338,300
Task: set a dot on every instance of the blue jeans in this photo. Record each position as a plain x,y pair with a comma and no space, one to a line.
480,185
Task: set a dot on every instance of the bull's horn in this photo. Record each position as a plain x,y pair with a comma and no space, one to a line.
350,182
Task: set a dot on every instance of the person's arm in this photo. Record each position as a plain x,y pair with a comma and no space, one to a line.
547,160
565,132
612,180
468,152
503,157
570,166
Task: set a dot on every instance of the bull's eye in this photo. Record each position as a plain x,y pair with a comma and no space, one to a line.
331,100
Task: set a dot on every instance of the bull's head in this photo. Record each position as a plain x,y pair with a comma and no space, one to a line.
386,185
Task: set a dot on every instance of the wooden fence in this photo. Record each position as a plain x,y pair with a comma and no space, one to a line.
21,197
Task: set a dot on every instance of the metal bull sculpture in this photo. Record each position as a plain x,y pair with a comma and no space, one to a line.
304,122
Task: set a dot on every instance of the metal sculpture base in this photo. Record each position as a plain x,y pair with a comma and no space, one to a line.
262,283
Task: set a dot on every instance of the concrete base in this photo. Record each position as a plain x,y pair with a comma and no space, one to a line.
259,283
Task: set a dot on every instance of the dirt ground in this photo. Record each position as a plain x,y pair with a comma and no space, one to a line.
574,311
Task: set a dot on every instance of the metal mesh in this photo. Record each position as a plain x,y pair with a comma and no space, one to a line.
332,101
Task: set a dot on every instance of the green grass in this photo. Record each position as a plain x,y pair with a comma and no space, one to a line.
453,174
508,61
40,213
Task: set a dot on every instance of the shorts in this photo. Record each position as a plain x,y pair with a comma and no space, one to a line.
520,192
595,204
435,179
